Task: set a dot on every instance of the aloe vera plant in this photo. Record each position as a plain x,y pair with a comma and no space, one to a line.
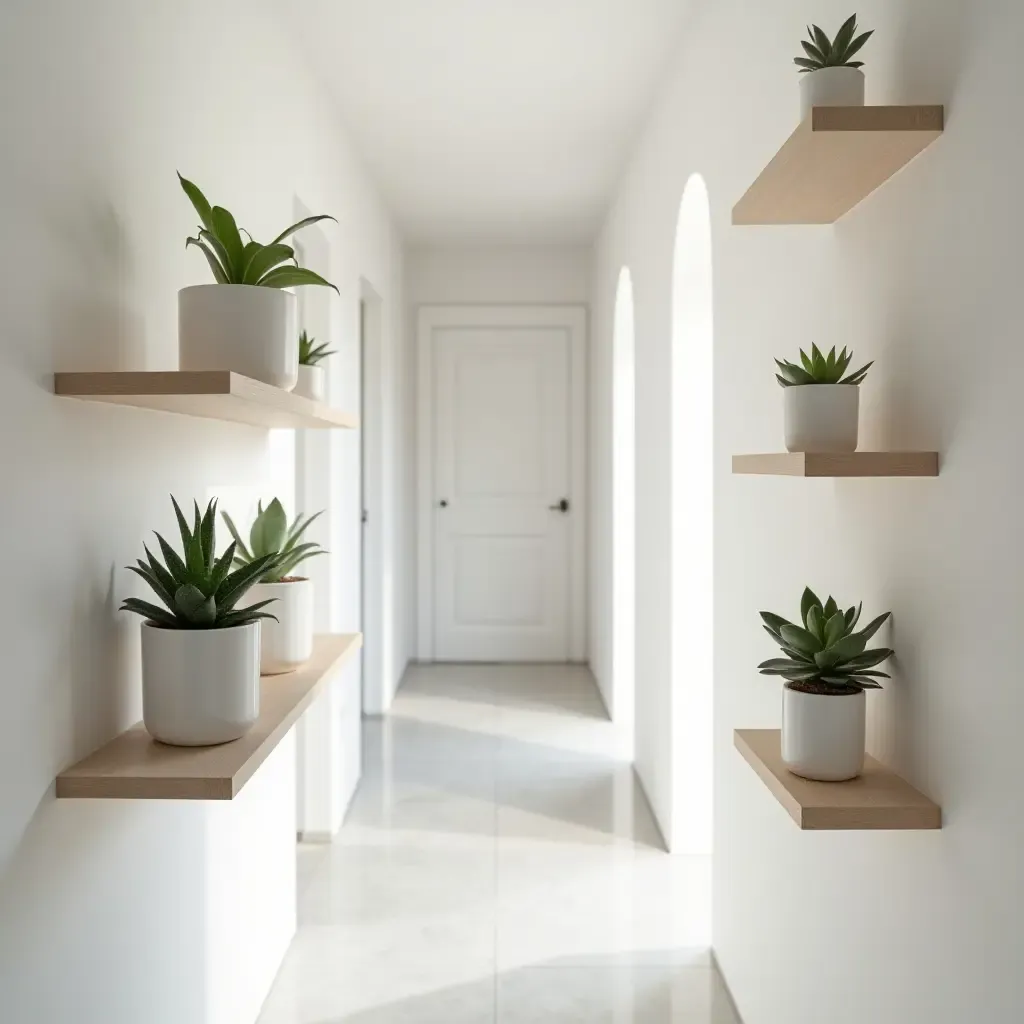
273,537
825,655
235,260
310,353
822,52
818,368
198,589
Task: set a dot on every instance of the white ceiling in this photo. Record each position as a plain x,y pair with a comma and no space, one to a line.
493,121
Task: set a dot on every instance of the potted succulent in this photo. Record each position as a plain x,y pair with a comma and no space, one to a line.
200,650
287,643
245,321
831,78
822,401
827,668
312,376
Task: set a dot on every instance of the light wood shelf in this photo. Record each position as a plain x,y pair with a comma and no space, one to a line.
878,799
838,464
133,766
835,158
208,394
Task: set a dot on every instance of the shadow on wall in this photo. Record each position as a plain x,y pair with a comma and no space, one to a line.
92,325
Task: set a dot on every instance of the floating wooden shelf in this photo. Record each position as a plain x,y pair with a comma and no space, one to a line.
209,394
878,799
837,157
135,767
840,464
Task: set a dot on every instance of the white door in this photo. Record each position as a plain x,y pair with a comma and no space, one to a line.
501,468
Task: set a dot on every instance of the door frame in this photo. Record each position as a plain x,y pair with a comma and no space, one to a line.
573,319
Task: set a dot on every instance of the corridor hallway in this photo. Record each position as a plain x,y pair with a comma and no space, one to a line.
499,864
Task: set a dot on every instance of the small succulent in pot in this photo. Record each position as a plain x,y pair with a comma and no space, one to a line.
825,417
198,589
822,52
818,368
827,668
825,654
830,77
310,353
273,538
201,648
287,644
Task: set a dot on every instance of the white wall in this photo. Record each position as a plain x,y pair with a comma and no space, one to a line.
849,927
497,274
100,103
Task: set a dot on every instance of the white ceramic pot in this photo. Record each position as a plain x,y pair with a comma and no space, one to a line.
200,686
288,643
312,381
823,735
822,417
239,327
831,87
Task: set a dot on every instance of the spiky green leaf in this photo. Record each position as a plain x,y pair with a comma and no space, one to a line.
265,259
198,200
855,47
243,551
807,600
225,228
844,37
151,612
801,639
299,225
220,274
293,277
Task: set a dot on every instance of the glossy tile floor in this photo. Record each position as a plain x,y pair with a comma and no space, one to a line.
498,864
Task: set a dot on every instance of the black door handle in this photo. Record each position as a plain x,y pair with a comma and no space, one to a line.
443,503
562,506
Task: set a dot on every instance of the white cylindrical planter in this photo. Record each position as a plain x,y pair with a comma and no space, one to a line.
311,382
822,417
287,644
239,327
200,686
823,735
831,87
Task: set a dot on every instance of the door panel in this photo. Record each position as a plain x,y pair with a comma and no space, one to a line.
501,460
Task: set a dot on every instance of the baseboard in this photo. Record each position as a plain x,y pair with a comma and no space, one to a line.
315,836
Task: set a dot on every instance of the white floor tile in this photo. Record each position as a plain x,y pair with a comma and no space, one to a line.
499,864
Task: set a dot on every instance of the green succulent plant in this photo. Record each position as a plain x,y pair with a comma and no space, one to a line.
272,537
825,654
237,261
825,53
817,368
198,589
310,353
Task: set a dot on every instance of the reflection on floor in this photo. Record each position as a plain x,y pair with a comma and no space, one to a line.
498,865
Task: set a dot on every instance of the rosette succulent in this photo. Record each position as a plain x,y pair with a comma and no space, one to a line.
818,368
825,654
273,538
198,589
822,52
310,353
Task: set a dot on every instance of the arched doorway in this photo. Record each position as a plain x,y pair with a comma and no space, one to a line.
624,514
692,522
